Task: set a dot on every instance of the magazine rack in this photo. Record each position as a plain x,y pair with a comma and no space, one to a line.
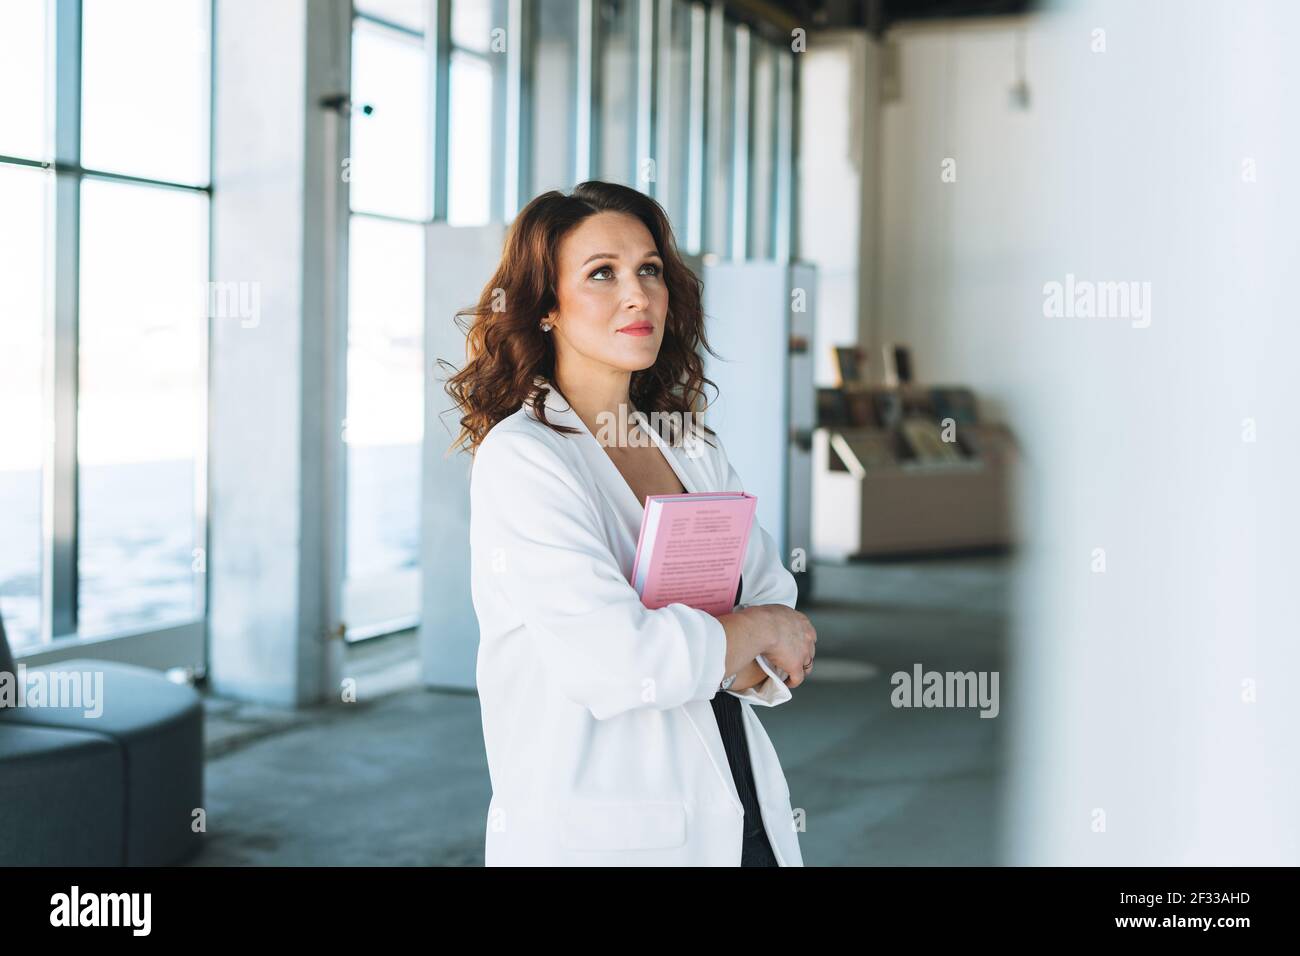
873,494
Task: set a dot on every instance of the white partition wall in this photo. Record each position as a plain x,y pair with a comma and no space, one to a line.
764,390
1155,639
459,261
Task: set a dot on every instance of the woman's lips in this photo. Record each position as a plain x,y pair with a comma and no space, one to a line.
638,330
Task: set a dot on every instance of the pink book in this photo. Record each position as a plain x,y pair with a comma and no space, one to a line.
691,549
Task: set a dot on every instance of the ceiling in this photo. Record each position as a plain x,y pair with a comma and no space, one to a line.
873,15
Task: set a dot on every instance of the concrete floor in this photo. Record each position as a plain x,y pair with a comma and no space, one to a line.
399,777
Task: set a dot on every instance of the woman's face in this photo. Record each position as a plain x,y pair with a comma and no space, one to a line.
612,300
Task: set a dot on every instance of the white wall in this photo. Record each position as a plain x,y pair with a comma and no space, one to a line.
1159,690
951,254
1149,697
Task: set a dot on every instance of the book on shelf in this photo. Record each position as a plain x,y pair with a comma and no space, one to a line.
955,403
861,451
926,441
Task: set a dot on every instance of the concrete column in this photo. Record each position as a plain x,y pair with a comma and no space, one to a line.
278,235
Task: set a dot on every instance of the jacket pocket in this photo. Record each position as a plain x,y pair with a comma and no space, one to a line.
623,824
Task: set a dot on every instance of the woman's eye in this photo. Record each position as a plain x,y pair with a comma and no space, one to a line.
648,265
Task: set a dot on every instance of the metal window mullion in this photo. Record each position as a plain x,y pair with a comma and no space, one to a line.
203,481
438,53
59,475
785,133
333,252
528,105
67,83
714,208
387,24
130,180
661,187
765,73
645,88
6,160
519,65
499,69
586,133
695,168
741,68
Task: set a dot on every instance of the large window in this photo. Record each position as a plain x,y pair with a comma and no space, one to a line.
144,89
24,80
554,95
617,99
476,53
762,149
389,172
25,200
385,423
720,135
140,423
104,169
680,76
391,199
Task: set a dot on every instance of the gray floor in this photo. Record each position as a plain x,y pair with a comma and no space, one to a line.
399,778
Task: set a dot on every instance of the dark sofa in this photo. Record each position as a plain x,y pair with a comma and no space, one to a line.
117,788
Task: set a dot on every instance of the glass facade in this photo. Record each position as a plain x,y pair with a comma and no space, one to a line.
474,107
104,185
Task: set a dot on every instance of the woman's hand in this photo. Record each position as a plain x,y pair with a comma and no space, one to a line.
787,638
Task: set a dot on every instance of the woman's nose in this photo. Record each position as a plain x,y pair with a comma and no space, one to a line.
635,295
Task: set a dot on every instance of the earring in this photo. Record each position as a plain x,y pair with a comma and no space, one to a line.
546,326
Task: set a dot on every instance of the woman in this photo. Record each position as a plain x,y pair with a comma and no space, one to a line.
615,734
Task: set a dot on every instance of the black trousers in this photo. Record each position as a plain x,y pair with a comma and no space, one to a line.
756,851
755,848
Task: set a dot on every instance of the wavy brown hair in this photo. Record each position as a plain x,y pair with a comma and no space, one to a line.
505,348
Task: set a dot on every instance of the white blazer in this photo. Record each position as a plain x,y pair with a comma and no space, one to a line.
602,745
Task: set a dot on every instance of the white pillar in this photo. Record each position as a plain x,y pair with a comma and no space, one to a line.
278,234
